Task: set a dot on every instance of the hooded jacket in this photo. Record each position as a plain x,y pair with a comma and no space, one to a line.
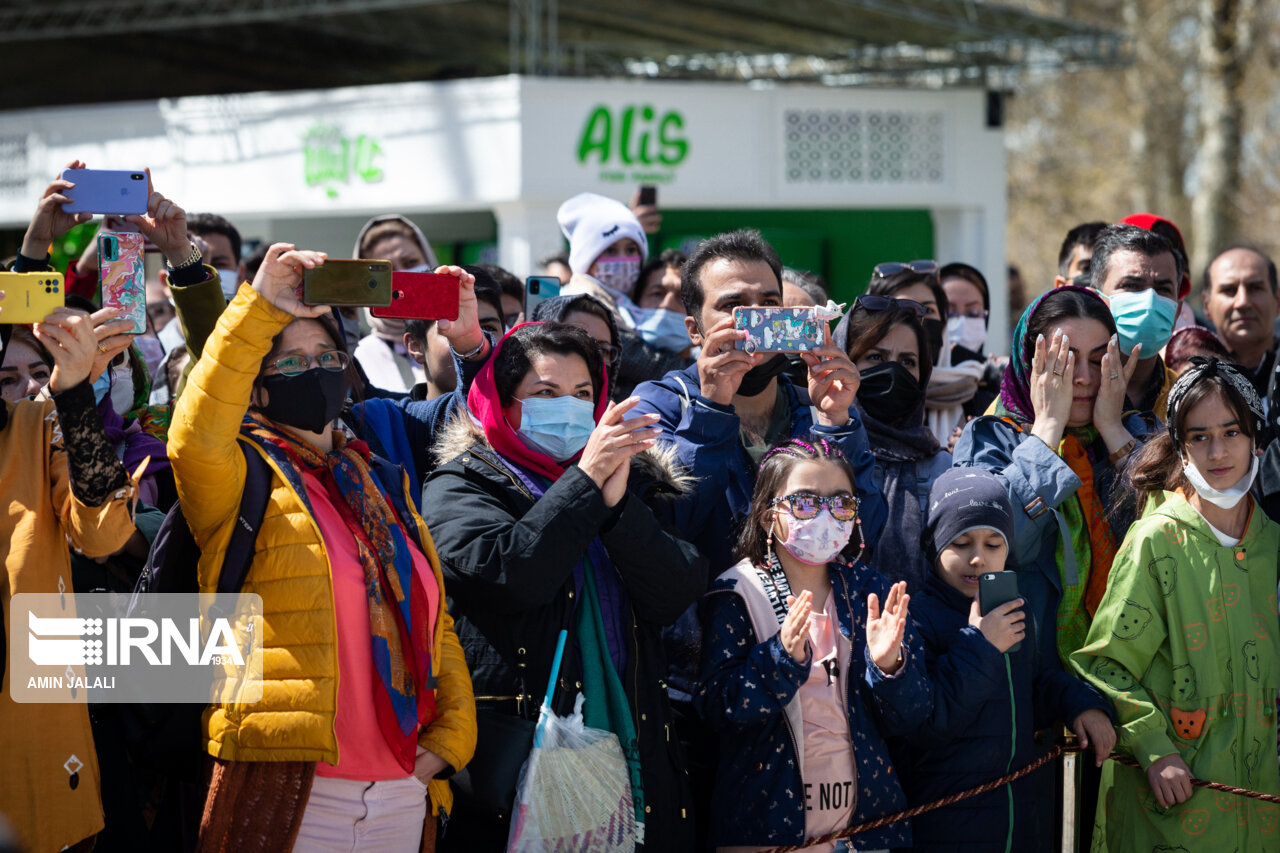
749,694
509,559
986,706
1186,644
294,719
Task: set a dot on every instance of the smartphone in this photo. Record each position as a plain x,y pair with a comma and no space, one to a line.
348,282
105,191
537,289
421,296
29,297
778,329
648,195
994,589
122,276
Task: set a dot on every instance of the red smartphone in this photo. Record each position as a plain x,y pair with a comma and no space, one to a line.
422,296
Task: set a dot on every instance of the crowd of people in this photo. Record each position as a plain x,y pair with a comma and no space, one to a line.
763,569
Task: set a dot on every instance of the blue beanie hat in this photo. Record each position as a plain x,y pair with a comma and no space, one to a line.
963,499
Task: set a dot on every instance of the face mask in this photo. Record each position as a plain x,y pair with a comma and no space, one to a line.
102,386
350,330
933,337
120,380
1143,318
967,332
557,426
617,271
1226,499
661,328
889,393
309,401
818,540
230,282
758,378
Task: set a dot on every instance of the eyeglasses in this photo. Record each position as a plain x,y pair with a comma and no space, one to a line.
609,353
803,505
893,268
334,361
972,313
871,303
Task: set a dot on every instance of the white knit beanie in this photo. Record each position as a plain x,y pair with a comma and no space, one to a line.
592,223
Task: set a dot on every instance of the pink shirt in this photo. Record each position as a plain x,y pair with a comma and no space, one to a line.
363,753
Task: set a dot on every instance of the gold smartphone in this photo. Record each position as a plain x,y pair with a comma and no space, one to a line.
348,282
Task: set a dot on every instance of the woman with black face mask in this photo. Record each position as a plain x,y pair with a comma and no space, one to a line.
887,341
366,697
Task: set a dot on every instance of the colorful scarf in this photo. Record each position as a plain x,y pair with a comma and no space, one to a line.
398,610
1092,543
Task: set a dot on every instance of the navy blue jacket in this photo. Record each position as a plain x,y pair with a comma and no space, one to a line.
746,688
706,437
986,707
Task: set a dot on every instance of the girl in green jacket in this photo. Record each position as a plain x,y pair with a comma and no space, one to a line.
1185,641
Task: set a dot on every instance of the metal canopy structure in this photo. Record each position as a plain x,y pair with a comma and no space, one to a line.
78,51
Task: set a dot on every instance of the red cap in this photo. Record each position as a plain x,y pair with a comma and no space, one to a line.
1166,229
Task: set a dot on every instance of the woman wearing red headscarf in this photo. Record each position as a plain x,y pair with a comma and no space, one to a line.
546,512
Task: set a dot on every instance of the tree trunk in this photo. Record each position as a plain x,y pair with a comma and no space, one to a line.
1225,42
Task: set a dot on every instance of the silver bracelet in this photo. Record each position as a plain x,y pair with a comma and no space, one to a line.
466,355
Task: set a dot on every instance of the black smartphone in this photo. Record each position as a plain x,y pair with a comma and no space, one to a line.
648,195
994,589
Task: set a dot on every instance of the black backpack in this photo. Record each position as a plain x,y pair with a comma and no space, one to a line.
166,737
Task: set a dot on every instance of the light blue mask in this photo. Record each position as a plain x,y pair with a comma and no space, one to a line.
661,328
1144,318
556,426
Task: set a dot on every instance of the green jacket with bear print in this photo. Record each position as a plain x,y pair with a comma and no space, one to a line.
1186,643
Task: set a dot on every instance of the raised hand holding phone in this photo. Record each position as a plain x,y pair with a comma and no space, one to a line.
51,219
463,334
281,273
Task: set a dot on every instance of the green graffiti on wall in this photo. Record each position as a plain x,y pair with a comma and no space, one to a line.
331,158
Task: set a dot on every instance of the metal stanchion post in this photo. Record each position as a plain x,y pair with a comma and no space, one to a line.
1070,797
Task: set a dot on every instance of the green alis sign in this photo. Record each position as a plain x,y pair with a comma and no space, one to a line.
330,158
636,137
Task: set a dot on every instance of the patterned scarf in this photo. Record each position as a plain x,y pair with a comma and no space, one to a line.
1092,542
401,642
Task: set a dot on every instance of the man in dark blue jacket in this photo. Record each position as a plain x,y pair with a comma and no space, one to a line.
723,414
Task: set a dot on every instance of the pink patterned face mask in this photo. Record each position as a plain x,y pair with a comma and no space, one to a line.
818,540
618,272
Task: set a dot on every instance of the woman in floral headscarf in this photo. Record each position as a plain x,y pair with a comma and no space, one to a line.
1058,441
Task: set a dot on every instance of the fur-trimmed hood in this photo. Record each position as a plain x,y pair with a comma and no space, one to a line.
659,463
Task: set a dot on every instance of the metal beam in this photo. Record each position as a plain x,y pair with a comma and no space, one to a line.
31,21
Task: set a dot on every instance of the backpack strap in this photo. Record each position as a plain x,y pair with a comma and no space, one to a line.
253,506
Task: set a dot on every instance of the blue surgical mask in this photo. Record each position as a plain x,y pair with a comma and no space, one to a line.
556,426
661,328
1144,317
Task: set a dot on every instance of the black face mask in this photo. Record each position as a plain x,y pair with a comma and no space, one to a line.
757,378
933,337
309,401
889,393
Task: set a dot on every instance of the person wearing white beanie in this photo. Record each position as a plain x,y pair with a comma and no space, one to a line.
606,241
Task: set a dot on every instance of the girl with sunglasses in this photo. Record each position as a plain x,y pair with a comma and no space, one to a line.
808,664
366,702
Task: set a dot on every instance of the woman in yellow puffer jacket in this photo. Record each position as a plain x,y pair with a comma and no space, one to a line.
367,705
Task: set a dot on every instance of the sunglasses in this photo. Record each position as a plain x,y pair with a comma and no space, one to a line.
803,505
872,303
334,361
893,268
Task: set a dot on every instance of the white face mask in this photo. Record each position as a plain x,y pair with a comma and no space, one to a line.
1227,498
122,388
968,332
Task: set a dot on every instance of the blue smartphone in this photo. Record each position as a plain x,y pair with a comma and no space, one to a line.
539,288
106,191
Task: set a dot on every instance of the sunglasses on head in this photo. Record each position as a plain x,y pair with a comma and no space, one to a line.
803,505
893,268
872,303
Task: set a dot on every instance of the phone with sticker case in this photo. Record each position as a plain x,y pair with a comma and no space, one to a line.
29,297
122,276
777,329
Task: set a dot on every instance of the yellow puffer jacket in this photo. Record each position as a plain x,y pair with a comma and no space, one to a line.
295,718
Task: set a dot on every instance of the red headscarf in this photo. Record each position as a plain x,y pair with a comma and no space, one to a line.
485,407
